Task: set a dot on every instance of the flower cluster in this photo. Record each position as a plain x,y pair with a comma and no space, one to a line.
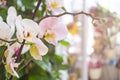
18,31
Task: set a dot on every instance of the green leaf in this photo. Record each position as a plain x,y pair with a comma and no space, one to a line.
29,4
2,50
64,66
64,43
44,65
64,8
3,13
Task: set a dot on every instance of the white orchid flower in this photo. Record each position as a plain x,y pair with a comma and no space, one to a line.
5,32
28,29
10,63
7,29
10,60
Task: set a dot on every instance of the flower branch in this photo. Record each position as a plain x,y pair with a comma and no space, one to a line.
36,9
8,41
19,54
74,14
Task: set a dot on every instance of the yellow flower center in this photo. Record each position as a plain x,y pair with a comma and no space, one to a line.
55,4
49,36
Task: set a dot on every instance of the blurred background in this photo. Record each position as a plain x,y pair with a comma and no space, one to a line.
91,51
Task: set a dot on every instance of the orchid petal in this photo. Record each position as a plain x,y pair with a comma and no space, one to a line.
46,24
13,70
19,28
9,70
60,31
17,45
30,26
12,14
1,19
35,53
5,31
54,5
52,41
38,49
41,46
12,11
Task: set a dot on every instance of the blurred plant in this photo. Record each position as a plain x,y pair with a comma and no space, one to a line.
95,62
106,31
23,41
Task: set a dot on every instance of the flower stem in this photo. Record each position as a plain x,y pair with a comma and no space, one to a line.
19,54
36,9
74,14
7,41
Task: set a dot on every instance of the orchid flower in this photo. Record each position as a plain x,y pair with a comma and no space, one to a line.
52,29
10,60
5,32
7,29
28,29
54,5
10,63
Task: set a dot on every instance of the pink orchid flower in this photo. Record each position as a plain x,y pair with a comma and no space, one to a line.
53,30
54,5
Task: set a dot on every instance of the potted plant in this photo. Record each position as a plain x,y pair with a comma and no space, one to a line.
95,68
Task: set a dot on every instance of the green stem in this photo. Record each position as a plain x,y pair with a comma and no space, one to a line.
7,41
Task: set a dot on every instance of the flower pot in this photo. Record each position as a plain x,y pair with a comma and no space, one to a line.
95,73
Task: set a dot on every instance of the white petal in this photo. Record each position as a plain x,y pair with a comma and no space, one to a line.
5,31
41,46
19,28
1,19
15,73
17,45
11,18
30,26
12,11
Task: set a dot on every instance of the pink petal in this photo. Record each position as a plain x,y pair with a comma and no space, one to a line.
46,24
60,31
56,9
